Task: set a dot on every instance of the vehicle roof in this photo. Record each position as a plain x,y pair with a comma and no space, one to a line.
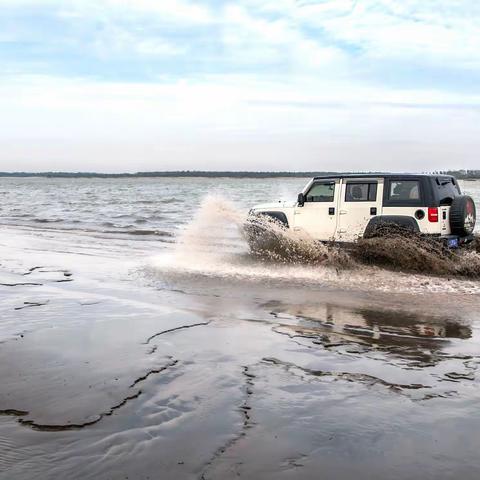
381,175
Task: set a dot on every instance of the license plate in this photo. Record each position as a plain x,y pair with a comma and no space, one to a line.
452,243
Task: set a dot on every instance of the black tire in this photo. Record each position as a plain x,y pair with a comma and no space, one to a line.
462,215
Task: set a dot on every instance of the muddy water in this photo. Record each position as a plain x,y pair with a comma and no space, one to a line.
178,355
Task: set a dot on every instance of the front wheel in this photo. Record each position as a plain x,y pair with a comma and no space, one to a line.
263,233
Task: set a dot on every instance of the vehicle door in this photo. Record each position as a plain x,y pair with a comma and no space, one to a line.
409,196
361,199
318,215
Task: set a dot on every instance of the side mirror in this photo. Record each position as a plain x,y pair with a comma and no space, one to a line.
301,199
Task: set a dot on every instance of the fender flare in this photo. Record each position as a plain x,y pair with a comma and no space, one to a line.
403,221
278,216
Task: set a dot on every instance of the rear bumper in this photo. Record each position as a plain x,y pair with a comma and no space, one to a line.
455,241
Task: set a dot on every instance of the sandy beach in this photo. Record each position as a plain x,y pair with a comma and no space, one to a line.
239,240
112,368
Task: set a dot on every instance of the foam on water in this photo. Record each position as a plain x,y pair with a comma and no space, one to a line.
214,245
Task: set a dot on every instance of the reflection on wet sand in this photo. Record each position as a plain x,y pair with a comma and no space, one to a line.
377,324
381,346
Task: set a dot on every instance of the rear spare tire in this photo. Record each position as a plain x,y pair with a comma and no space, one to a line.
462,215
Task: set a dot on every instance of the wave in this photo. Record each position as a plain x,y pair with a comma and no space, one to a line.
48,220
157,233
156,201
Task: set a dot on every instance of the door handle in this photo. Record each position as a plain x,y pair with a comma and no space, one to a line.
342,212
331,211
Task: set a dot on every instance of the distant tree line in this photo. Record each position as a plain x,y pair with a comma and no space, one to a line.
176,173
461,174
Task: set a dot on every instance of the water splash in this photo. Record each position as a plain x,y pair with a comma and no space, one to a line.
391,247
400,249
214,232
214,245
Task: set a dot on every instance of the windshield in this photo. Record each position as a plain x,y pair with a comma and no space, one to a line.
321,192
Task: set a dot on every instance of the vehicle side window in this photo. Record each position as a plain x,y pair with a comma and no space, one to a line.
321,192
447,190
361,192
404,190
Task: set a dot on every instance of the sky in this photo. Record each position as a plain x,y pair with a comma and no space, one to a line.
138,85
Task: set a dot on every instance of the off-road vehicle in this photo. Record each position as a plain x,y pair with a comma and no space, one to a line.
343,208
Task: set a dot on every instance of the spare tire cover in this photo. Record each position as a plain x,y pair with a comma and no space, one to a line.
462,215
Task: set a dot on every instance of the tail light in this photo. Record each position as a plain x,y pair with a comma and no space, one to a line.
433,214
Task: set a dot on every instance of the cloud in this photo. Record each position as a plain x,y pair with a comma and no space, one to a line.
350,38
278,75
434,31
176,12
254,39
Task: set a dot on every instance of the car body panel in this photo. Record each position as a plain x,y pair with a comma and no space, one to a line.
318,219
345,218
353,216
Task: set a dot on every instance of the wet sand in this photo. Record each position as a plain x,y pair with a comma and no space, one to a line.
113,367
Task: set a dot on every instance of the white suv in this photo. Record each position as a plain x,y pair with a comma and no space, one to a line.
345,207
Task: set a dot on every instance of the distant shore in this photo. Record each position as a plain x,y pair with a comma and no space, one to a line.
461,174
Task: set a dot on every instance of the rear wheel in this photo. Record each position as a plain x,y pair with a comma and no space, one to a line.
462,215
387,225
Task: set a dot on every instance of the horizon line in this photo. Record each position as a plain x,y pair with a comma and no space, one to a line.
222,173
